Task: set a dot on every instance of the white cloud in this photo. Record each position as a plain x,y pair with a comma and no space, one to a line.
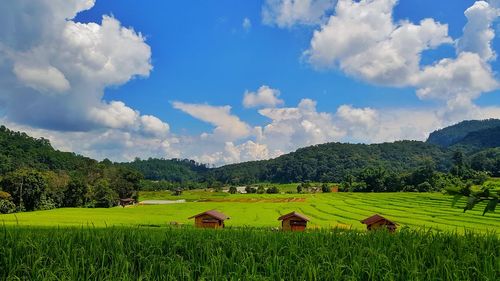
46,79
362,40
466,77
228,127
478,31
265,97
286,13
291,128
59,68
246,24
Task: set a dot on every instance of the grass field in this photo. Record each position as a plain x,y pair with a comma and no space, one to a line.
413,210
243,254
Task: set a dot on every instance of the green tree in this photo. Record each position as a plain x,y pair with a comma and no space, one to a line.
75,194
325,188
103,195
26,188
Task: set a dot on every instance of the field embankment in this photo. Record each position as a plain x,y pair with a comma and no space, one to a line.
249,254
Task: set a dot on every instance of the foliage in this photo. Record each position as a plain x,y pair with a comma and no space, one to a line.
244,254
174,170
103,196
332,162
7,207
454,134
26,188
487,194
273,190
232,189
325,188
75,193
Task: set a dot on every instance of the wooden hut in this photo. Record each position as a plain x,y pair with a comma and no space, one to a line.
379,222
209,219
293,222
127,201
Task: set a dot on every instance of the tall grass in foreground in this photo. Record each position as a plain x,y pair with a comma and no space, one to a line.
243,254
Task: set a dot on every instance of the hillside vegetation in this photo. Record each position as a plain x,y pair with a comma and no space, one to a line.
454,134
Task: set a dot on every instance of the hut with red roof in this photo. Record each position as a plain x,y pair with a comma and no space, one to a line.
293,222
209,219
379,222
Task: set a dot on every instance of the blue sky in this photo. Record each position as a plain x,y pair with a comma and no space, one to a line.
174,85
202,54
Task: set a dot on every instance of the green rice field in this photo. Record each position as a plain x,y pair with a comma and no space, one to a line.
342,210
115,253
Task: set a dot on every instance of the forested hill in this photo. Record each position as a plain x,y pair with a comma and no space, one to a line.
18,150
173,170
457,133
331,162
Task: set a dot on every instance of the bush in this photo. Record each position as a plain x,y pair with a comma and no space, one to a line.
273,190
261,190
325,188
233,190
6,206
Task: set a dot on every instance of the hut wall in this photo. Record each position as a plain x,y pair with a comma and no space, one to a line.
293,224
382,224
206,221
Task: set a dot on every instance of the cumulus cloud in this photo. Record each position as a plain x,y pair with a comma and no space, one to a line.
59,68
286,13
291,128
363,40
54,72
478,32
265,97
45,79
227,126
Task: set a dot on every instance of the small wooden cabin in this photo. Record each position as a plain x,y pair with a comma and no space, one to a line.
293,222
379,222
127,201
209,219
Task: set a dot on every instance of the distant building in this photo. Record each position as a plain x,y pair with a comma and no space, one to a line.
210,219
293,222
379,222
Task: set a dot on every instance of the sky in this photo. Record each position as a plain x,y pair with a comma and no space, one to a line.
229,81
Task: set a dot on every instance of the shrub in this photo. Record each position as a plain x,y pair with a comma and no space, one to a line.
273,190
7,207
261,190
233,190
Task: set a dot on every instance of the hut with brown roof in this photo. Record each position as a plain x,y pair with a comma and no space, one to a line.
293,222
209,219
379,222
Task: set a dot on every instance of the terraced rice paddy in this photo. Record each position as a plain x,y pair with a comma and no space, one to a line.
345,210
